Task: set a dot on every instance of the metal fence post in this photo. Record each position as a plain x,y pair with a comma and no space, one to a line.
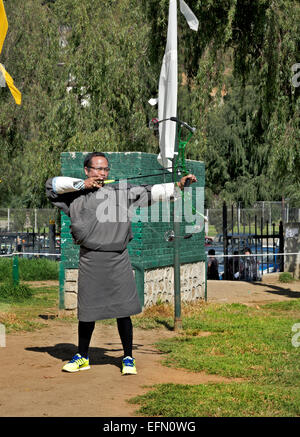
225,241
52,238
281,246
205,289
177,291
15,270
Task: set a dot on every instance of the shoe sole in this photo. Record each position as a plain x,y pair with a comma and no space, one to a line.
77,370
129,372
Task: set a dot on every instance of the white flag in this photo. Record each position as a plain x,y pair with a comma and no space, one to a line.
189,16
167,91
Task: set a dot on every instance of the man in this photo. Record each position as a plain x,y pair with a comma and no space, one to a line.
249,267
212,265
235,267
100,224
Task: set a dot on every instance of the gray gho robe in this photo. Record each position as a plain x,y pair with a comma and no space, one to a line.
100,224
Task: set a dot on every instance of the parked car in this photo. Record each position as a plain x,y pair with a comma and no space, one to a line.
240,241
208,241
6,248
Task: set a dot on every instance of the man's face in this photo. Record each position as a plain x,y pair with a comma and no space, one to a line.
98,167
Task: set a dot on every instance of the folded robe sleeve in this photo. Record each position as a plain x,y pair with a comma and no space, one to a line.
61,191
146,195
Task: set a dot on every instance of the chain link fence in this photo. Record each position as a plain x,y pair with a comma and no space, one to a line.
29,232
241,220
20,220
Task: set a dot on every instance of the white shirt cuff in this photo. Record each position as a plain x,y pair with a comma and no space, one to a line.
165,192
64,184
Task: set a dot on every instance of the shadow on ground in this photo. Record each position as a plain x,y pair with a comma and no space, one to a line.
97,355
65,351
279,290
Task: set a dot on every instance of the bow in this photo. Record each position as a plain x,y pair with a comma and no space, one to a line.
161,172
180,161
179,166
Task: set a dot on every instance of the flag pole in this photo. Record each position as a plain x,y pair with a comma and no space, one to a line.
176,226
177,288
167,106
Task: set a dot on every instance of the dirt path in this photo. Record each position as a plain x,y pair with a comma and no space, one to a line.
268,290
32,383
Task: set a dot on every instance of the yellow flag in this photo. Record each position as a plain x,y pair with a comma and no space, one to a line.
3,24
10,83
8,79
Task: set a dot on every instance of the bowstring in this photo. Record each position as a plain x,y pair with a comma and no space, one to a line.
181,162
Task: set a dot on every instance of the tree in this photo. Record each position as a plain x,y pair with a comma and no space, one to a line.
87,70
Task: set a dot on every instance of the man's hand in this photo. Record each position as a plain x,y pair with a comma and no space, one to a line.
184,178
93,182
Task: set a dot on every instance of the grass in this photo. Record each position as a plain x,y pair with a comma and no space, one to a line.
286,277
22,314
12,293
219,400
244,343
249,343
249,346
37,269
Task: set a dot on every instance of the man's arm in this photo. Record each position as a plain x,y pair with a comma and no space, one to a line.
62,190
170,191
64,184
145,195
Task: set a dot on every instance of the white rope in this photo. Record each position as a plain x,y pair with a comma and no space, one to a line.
216,255
31,253
256,254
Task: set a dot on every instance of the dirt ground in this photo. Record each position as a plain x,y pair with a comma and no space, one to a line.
33,385
268,290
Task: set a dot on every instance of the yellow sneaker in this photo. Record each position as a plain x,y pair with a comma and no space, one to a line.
77,363
128,366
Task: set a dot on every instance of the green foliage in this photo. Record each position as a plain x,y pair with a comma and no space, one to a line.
234,86
14,293
286,277
30,269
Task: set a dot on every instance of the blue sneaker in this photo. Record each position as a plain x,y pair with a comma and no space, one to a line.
128,366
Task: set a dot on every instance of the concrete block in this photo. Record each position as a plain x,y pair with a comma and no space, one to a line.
70,301
71,286
71,275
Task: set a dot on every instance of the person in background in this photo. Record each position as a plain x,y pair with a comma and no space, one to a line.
19,244
235,267
212,265
249,272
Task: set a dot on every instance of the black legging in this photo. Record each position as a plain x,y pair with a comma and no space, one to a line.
85,331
